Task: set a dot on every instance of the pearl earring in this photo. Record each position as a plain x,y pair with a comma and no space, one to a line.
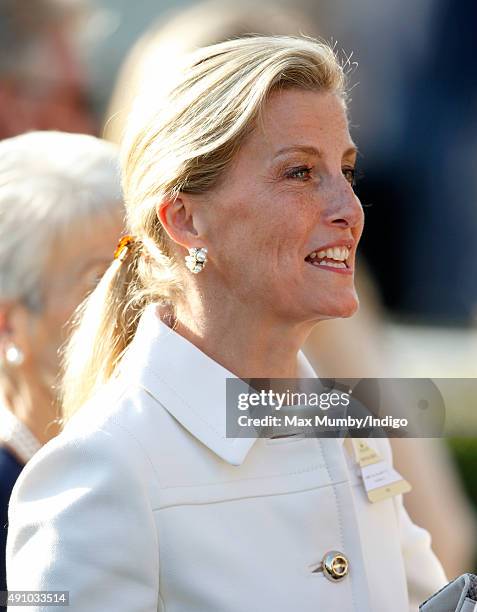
196,259
13,355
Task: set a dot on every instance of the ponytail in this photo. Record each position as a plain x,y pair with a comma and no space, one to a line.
103,325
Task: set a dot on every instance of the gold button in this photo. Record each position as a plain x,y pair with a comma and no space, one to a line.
334,565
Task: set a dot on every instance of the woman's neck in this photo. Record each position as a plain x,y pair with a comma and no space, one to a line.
246,344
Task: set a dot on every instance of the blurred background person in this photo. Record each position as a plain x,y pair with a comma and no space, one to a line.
347,348
44,81
61,214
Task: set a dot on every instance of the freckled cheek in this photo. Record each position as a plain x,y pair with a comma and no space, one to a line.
290,230
268,235
235,245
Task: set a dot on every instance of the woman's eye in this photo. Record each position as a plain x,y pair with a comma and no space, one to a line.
350,175
301,173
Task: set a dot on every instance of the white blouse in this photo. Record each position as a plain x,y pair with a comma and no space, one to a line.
142,504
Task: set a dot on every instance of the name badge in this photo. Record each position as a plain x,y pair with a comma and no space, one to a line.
380,480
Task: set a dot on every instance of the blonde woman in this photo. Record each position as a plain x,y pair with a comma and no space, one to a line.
340,348
234,179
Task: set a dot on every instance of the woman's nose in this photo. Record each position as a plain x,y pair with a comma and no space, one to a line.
344,209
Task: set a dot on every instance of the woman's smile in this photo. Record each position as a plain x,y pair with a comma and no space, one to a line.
333,257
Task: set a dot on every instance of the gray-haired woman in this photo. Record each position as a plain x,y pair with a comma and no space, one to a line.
60,215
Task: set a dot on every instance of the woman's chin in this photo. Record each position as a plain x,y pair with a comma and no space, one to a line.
350,311
341,309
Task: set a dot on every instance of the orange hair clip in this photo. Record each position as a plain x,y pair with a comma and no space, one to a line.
123,245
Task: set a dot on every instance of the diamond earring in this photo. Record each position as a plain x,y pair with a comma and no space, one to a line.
196,259
13,355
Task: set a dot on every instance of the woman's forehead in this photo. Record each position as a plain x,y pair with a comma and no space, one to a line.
310,121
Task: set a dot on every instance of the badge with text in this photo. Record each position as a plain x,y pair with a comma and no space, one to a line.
380,480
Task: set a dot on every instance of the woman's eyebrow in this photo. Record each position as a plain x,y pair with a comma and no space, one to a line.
311,150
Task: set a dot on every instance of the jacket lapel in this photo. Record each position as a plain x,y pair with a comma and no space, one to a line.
188,383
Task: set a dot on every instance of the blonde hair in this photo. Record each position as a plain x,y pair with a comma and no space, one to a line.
182,141
183,30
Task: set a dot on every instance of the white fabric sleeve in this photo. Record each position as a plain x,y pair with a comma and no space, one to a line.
424,572
80,520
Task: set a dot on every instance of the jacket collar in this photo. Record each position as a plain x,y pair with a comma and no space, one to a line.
188,383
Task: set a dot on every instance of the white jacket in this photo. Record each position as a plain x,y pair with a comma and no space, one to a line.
142,504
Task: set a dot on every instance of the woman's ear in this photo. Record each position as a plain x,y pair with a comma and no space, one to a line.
177,217
14,326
